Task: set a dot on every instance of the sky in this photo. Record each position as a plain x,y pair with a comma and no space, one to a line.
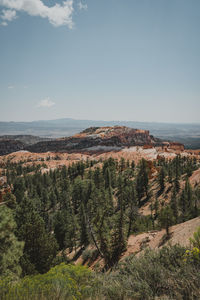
132,60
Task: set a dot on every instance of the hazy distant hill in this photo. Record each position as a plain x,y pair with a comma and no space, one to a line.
188,134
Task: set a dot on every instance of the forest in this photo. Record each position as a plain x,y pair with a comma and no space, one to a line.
48,216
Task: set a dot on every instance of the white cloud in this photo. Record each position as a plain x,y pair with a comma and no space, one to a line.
8,15
45,103
4,23
82,6
11,87
59,14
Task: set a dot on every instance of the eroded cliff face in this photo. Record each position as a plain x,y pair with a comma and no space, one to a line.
97,139
91,140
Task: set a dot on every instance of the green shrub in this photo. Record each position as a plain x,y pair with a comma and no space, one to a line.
61,282
158,274
195,241
193,255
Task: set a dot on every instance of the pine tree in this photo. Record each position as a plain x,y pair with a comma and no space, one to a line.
19,188
10,248
161,179
118,231
122,164
60,222
174,205
40,247
119,240
189,194
170,174
156,208
132,207
10,200
177,174
133,165
107,178
98,178
142,180
183,205
84,238
166,218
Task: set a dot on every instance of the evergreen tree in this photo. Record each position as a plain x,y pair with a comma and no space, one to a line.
98,178
107,178
174,205
189,195
161,179
84,238
177,174
10,200
60,223
182,203
40,247
19,188
170,174
133,165
122,164
10,248
132,206
142,180
156,208
119,240
166,218
118,231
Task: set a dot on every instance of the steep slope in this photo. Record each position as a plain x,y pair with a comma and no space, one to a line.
179,234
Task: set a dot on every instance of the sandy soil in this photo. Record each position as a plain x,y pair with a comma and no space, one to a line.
195,178
180,234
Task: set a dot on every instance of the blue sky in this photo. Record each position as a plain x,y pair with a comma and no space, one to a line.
133,60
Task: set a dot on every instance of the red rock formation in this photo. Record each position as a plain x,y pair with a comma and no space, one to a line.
99,139
176,146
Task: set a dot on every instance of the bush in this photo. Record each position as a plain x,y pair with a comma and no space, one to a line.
194,254
61,282
161,274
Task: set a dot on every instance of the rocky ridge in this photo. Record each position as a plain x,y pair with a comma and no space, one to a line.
91,140
101,139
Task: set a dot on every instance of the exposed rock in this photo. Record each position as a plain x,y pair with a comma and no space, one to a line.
173,145
91,140
99,139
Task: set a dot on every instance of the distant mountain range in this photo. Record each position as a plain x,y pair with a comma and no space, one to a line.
188,134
